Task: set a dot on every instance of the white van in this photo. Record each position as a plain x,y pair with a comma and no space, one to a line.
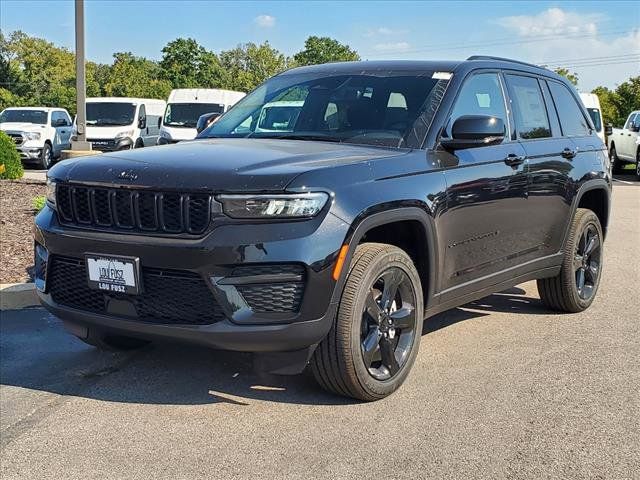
592,104
121,123
184,107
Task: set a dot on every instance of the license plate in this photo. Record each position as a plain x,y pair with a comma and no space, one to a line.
113,274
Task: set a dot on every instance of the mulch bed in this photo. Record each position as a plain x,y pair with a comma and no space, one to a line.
16,228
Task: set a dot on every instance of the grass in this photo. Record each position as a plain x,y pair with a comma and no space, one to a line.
38,203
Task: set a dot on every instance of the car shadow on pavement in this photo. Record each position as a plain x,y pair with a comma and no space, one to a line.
37,354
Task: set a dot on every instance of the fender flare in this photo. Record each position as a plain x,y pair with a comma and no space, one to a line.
360,227
589,185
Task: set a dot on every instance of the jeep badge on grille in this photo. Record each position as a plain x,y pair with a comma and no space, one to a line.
128,175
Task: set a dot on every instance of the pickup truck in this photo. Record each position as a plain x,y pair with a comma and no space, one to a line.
624,144
40,133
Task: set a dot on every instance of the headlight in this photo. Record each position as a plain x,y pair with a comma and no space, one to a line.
51,192
126,133
273,206
165,134
32,135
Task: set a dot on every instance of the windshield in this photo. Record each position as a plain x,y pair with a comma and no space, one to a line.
386,108
186,114
102,114
594,113
24,116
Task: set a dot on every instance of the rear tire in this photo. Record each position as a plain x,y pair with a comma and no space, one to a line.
104,341
575,287
374,340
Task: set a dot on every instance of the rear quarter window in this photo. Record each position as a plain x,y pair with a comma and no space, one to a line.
572,121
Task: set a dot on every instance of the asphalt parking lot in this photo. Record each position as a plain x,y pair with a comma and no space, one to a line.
502,388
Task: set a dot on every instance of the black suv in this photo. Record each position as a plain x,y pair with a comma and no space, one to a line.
329,213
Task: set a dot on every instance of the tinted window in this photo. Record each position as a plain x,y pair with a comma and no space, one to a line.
529,108
186,115
24,116
630,121
572,121
480,95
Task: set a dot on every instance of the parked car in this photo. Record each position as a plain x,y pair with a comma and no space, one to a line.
122,123
592,104
186,105
624,144
402,190
40,133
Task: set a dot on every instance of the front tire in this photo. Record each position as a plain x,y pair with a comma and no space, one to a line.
616,165
575,287
46,157
374,340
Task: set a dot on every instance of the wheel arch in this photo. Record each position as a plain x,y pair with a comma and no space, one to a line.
377,226
595,195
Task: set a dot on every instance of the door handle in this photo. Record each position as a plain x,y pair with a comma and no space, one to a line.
569,153
513,160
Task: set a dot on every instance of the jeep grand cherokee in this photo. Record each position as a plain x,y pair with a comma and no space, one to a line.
398,190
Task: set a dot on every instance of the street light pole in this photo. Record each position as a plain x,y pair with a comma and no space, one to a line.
81,119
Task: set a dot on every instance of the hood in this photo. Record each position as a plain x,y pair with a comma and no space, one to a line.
179,133
108,132
21,127
222,165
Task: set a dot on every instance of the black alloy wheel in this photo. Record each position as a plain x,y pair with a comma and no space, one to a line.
388,324
587,262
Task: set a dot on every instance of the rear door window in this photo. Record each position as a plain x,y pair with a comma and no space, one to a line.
572,120
529,107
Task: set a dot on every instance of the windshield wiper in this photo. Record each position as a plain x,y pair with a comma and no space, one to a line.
304,137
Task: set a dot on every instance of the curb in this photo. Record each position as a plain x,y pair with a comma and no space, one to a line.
15,296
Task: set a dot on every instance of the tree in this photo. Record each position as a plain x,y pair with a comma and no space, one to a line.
132,76
617,104
186,64
324,50
248,65
571,76
608,105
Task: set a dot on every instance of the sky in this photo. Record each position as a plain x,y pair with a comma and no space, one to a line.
599,40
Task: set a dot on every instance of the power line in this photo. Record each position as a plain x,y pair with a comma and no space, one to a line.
604,63
502,41
605,57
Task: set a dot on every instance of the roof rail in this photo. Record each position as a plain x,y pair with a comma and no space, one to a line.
510,60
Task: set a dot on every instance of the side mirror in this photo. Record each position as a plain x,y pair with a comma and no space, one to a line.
142,122
608,129
205,120
471,131
61,122
634,128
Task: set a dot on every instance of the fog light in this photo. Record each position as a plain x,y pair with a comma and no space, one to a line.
41,257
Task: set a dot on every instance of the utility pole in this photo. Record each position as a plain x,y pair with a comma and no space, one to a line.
81,116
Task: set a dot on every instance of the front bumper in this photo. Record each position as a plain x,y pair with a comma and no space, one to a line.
313,244
30,153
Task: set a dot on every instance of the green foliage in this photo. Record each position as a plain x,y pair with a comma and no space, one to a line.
38,203
324,50
132,76
186,64
617,104
248,65
10,163
571,76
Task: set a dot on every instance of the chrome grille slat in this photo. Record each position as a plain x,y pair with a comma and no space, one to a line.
134,210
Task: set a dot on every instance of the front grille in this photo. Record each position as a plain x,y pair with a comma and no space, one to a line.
17,138
103,144
167,296
133,210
